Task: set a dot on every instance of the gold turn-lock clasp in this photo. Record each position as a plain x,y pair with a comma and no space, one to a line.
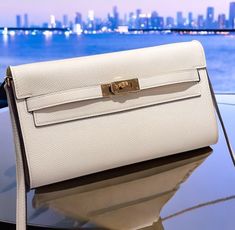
119,87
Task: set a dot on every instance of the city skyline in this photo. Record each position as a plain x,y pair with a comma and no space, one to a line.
137,20
39,12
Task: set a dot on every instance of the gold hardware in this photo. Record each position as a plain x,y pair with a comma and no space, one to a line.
119,87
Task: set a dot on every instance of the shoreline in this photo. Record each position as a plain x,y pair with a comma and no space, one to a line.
68,31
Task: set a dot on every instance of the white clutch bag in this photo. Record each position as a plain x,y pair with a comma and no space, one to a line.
84,115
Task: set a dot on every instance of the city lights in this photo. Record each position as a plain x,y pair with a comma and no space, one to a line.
133,22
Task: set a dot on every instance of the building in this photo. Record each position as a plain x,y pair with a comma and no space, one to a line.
78,18
170,22
138,23
210,17
180,19
232,15
144,21
221,21
45,25
91,20
65,20
58,24
18,21
190,20
160,22
125,20
138,20
77,26
26,21
154,20
200,21
115,17
52,21
131,21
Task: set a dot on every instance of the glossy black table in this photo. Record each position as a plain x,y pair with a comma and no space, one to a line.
193,190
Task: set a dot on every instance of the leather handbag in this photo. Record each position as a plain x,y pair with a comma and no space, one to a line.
84,115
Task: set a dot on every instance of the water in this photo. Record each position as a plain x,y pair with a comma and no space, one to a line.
19,49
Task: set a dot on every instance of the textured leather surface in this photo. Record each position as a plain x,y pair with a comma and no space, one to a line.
92,108
64,150
94,92
56,76
181,85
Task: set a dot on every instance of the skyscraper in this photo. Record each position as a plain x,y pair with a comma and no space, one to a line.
221,21
160,22
180,19
77,27
52,21
26,21
65,20
210,17
200,21
138,13
132,19
154,20
91,20
78,18
169,22
18,21
115,17
125,20
190,19
232,15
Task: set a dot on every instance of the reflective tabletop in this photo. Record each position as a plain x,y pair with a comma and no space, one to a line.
192,190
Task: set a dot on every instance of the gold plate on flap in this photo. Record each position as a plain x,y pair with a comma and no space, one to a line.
119,87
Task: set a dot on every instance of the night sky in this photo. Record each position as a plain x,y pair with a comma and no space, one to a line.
39,10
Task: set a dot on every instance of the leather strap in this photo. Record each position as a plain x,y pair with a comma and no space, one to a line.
21,195
229,145
99,91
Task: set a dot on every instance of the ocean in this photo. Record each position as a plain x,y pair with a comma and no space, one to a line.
19,49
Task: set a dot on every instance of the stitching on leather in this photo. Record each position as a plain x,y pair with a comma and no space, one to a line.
29,100
38,123
34,108
173,82
65,91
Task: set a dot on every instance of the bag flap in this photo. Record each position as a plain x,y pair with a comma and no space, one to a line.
43,78
95,92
